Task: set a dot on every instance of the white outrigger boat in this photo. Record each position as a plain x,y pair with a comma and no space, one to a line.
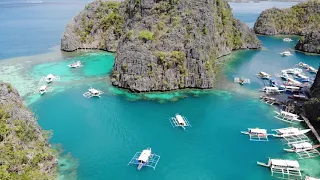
75,65
256,134
179,121
241,81
312,70
286,53
289,131
271,90
287,40
304,150
49,78
145,158
287,117
92,93
270,100
43,89
264,75
283,169
303,65
293,82
293,71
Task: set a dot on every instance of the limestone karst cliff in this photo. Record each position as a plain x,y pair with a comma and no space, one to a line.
160,45
24,150
310,42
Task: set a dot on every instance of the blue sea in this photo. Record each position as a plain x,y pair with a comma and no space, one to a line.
100,135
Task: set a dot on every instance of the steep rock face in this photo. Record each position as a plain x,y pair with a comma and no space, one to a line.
24,149
161,44
174,44
297,20
312,107
99,26
310,42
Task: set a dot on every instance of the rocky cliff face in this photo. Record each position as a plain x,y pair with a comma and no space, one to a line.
312,107
171,44
99,26
297,20
24,150
310,42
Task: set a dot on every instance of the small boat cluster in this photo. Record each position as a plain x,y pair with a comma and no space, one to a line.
44,83
296,140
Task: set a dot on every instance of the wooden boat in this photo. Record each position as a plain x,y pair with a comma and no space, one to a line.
303,65
256,134
289,131
241,81
264,75
145,158
269,100
287,40
93,93
304,150
286,53
43,89
179,121
300,147
271,90
285,169
287,117
75,65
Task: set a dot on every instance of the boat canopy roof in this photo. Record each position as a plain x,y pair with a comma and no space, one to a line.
288,130
272,88
93,91
285,163
42,88
258,131
180,119
144,156
302,145
292,87
50,76
264,73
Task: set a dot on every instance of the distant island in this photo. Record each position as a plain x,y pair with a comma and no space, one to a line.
160,45
302,19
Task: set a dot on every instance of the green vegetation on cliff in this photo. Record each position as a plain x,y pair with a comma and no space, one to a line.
24,149
297,20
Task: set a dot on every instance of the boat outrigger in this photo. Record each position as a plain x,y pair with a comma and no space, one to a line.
145,158
292,135
93,93
75,65
49,78
179,121
284,169
289,131
271,90
311,178
292,71
264,75
286,53
241,81
304,150
256,134
287,117
270,100
43,89
287,40
303,65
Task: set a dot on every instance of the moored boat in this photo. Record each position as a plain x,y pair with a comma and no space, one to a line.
256,134
93,93
264,75
287,40
145,158
285,169
289,131
286,53
76,64
287,117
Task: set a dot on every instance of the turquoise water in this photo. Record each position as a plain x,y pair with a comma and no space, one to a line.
103,134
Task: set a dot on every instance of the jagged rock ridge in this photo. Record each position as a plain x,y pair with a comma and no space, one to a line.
171,44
